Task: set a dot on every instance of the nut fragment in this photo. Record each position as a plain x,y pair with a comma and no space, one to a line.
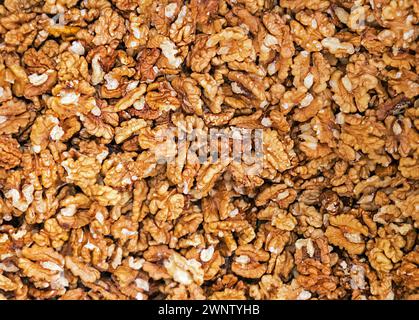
209,149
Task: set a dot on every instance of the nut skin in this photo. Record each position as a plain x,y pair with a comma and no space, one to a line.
88,209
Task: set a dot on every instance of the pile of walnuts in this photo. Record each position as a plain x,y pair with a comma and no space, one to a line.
86,211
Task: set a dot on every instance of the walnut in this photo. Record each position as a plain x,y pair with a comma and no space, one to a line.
119,171
233,44
228,294
346,232
86,273
127,5
187,224
165,204
224,229
184,271
111,191
272,288
14,116
207,176
72,67
408,271
39,84
276,26
190,94
250,83
127,128
306,37
146,70
367,138
313,262
10,154
38,61
200,56
58,5
276,155
162,97
69,103
182,30
105,195
248,262
21,30
44,266
83,171
110,26
319,5
278,193
284,221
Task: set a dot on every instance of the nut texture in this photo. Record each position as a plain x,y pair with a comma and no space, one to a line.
89,209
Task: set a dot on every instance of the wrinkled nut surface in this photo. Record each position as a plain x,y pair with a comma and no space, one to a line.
89,210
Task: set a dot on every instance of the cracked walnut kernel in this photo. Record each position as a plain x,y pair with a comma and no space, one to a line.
107,190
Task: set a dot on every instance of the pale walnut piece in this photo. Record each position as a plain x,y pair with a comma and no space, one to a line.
10,155
110,191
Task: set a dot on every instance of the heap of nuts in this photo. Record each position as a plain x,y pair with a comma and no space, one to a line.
86,210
